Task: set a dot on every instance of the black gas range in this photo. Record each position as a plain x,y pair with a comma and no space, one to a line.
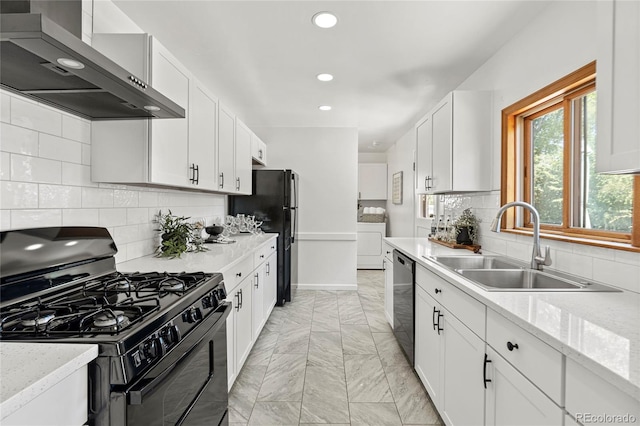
161,336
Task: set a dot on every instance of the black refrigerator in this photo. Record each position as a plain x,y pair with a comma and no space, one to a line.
274,202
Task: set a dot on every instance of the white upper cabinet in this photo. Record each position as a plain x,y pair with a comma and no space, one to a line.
453,144
208,150
258,150
169,138
618,85
234,153
226,149
203,132
243,158
372,181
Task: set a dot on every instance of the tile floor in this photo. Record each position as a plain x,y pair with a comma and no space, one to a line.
330,357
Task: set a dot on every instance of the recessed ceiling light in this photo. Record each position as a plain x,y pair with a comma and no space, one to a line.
375,143
324,77
151,108
70,63
324,108
324,19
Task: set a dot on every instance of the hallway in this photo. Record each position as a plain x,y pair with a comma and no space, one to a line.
330,357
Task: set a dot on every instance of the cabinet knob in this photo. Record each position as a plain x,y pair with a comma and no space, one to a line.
438,291
512,346
239,274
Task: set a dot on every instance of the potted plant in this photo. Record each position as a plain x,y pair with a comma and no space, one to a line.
466,228
177,236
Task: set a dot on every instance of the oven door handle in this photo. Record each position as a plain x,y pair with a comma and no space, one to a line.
137,394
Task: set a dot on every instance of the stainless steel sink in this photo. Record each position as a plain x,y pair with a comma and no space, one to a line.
477,262
527,280
498,273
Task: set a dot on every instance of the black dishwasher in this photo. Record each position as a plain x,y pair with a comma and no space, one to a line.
403,302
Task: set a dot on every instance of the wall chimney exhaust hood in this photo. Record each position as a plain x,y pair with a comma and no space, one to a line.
43,60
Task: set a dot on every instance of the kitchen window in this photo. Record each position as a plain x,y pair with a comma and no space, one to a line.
548,147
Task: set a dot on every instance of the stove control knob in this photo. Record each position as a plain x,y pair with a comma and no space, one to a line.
208,301
192,315
170,334
152,348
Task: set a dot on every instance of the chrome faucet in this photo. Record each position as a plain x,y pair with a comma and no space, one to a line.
537,260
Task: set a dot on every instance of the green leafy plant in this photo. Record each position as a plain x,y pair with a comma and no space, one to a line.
177,236
467,223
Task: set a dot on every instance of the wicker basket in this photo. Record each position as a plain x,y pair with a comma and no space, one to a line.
372,218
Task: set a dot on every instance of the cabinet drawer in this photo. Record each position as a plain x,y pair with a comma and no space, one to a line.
536,360
387,250
263,253
467,309
589,395
235,274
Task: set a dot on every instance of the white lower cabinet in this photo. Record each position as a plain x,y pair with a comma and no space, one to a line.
590,399
243,323
257,299
387,265
251,288
63,404
448,360
513,400
478,367
270,283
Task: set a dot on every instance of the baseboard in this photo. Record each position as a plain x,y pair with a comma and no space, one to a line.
328,287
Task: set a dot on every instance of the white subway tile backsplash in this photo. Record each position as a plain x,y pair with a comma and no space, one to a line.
5,107
77,175
34,169
22,219
76,129
617,274
25,113
148,199
125,198
57,148
113,217
572,264
19,195
141,248
126,234
59,196
80,217
5,166
138,215
86,155
18,140
632,258
5,220
97,197
121,255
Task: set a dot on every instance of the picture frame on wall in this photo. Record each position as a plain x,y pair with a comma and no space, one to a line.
396,188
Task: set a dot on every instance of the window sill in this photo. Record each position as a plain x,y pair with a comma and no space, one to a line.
576,239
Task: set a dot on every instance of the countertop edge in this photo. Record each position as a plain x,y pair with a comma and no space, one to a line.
86,354
473,291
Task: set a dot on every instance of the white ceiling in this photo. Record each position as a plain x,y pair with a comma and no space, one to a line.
392,60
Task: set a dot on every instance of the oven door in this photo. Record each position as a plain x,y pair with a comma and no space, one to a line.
189,385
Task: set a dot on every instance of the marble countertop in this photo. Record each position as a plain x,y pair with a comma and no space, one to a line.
597,329
218,258
49,363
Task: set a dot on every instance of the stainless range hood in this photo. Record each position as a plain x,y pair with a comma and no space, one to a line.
42,60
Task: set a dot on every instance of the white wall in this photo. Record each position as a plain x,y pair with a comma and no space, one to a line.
560,40
46,181
325,160
400,159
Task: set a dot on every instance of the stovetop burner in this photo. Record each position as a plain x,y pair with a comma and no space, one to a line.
37,318
104,305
